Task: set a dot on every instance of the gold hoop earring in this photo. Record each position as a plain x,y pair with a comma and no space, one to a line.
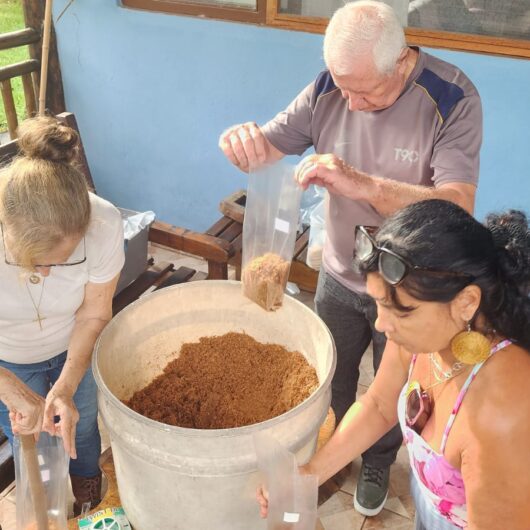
470,347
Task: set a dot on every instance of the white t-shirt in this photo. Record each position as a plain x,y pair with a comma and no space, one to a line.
22,341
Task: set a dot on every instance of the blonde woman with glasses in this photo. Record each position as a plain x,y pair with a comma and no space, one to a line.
61,253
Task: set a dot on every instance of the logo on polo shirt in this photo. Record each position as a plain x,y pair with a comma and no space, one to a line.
406,155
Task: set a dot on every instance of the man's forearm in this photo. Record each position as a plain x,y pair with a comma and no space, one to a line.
273,154
388,196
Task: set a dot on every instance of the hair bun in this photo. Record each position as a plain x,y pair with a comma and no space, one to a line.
48,139
511,237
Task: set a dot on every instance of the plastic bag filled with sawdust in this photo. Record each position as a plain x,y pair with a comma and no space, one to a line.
269,233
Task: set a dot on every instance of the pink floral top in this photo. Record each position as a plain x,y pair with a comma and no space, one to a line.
438,480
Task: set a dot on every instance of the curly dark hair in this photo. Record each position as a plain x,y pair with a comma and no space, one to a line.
439,234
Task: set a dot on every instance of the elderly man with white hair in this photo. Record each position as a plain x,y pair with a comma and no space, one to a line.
391,125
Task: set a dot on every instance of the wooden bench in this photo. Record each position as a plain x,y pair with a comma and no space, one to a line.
228,234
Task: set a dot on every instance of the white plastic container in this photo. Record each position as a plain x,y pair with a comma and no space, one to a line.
173,478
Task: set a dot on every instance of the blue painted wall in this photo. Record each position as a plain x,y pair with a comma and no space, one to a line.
152,92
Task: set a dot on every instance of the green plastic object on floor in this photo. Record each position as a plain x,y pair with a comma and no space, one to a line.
109,519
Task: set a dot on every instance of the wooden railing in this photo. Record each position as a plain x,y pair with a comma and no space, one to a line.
27,70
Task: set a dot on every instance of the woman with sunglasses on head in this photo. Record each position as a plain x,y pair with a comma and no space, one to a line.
452,299
61,255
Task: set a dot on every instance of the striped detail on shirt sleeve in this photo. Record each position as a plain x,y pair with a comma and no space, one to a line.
324,84
444,94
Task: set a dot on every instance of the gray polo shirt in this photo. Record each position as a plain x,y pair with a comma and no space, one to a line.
430,136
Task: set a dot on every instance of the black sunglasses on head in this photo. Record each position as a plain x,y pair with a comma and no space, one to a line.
392,267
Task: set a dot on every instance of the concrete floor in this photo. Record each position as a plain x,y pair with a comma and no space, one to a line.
336,510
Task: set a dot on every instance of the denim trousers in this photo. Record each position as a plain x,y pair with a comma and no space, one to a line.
40,377
350,317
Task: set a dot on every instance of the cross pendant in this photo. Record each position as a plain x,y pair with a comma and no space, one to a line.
39,319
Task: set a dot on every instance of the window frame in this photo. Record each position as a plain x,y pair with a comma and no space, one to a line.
267,14
236,14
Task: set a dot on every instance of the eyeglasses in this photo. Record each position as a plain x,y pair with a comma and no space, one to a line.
66,264
417,407
392,267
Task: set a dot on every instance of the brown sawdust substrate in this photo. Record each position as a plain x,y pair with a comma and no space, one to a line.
264,280
226,381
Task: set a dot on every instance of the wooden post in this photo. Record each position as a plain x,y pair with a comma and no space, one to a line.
34,16
9,106
217,270
46,36
29,95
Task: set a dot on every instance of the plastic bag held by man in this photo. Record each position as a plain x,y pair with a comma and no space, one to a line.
269,234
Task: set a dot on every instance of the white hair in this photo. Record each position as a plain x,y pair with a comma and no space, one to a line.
360,28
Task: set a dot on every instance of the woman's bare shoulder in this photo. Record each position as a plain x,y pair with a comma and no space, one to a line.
508,365
499,398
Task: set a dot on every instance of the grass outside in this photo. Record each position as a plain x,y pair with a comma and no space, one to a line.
12,19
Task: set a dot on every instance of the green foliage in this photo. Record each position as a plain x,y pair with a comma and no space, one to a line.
12,19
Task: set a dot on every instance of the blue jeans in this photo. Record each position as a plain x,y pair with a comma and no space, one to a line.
350,317
40,377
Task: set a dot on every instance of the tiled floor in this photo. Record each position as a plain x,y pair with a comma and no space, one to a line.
335,510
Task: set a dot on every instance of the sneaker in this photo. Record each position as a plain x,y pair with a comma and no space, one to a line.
372,489
87,492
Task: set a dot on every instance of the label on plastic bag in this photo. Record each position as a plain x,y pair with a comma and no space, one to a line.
289,517
281,225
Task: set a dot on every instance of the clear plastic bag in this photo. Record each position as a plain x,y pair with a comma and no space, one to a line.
317,235
269,233
48,459
311,199
292,497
